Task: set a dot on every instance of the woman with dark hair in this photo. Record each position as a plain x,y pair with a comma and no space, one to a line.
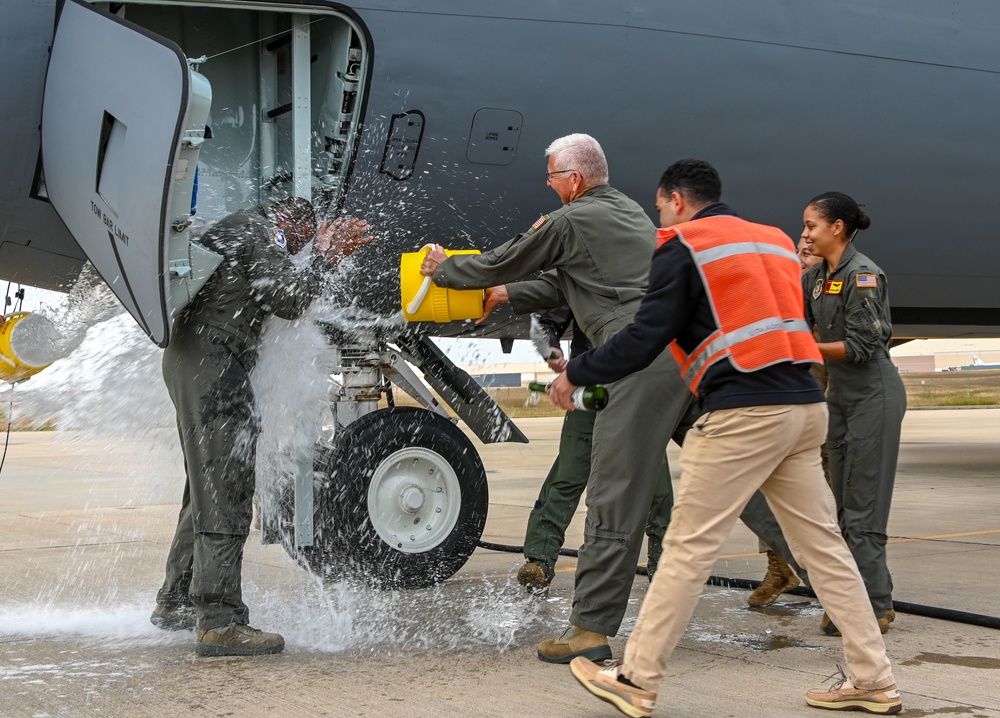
847,300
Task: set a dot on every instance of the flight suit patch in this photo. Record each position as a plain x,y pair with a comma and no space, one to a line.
279,238
833,287
867,281
818,288
538,223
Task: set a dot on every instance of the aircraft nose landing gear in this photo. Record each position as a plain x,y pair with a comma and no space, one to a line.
403,503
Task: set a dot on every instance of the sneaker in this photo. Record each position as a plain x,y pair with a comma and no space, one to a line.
237,640
574,642
181,618
843,696
534,578
602,680
779,579
828,627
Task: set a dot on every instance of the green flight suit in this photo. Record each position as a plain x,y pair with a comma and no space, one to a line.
867,402
566,481
595,254
206,368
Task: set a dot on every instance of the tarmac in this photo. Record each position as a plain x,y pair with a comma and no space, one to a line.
86,520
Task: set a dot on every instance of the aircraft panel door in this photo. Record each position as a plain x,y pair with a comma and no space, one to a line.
113,116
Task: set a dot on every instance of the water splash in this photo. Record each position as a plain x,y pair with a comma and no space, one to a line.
491,614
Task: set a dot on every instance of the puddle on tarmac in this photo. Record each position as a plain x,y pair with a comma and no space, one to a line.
708,627
787,609
964,661
946,711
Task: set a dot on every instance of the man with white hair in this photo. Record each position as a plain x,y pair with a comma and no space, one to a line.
594,253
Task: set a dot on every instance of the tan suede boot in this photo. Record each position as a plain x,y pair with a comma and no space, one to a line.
779,579
237,640
575,641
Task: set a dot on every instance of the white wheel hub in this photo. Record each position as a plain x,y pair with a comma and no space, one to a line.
414,499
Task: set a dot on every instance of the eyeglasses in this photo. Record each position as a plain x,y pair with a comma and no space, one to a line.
548,175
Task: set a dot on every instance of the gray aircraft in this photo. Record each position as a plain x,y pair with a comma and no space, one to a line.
430,120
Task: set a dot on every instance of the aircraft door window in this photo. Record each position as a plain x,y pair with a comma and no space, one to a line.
110,159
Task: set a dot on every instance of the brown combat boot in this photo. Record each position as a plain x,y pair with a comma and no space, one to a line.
534,578
237,640
180,618
779,579
575,641
827,626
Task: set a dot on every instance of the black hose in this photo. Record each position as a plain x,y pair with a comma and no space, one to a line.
914,609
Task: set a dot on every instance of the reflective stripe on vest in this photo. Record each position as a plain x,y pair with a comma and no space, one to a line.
752,279
708,352
728,250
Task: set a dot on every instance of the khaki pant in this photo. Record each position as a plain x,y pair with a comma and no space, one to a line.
727,456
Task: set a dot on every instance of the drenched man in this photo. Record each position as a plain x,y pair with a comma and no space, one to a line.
207,368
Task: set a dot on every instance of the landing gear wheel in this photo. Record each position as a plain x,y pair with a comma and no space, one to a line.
405,502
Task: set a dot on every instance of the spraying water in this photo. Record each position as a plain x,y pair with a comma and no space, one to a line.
107,387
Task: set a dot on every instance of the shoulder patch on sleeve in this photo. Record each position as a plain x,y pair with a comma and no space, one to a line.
279,238
869,281
538,223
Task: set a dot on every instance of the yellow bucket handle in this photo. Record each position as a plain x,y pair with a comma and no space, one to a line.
425,287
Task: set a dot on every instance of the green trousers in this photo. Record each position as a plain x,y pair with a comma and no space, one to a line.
207,374
867,404
560,495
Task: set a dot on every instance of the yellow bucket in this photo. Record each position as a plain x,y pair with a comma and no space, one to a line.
439,304
28,343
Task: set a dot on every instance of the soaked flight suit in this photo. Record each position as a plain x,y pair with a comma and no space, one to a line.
596,253
207,368
560,493
867,401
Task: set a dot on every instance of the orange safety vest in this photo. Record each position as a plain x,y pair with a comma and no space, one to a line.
753,281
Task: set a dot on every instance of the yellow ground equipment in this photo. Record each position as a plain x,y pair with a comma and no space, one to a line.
28,343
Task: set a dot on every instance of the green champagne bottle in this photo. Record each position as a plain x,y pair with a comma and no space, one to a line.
592,397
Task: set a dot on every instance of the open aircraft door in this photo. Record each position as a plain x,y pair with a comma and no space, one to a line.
123,119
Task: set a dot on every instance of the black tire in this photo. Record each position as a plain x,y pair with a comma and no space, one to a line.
430,490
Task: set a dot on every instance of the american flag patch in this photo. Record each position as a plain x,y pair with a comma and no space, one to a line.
539,222
866,280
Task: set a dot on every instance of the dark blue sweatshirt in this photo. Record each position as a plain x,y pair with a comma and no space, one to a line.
676,307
